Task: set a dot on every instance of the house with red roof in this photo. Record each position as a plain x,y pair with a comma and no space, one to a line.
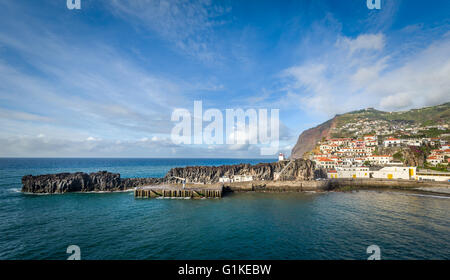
392,142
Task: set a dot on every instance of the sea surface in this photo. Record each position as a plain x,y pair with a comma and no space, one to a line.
239,226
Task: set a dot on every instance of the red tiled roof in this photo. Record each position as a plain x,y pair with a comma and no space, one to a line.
325,159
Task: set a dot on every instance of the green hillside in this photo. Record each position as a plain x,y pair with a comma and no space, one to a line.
426,116
415,118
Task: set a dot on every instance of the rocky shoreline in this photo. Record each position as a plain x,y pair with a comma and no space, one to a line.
103,181
296,176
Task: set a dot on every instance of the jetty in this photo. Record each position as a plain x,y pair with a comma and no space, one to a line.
177,191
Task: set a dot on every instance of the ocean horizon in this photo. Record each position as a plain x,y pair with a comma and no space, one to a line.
306,225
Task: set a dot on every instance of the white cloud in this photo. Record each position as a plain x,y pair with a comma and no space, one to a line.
24,146
23,116
92,139
362,42
88,89
358,73
189,25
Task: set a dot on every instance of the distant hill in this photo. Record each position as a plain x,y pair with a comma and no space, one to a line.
367,121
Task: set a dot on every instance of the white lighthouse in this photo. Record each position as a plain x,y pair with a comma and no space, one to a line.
281,157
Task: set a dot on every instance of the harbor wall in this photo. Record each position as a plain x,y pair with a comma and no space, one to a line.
328,185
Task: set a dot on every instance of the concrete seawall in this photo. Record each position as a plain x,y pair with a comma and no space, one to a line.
277,186
334,184
382,183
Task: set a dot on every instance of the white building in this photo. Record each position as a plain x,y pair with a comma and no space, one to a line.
392,142
281,157
412,142
430,175
379,160
393,172
349,172
242,178
370,138
224,179
434,160
325,163
236,178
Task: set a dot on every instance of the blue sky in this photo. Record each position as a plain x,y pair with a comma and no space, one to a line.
102,81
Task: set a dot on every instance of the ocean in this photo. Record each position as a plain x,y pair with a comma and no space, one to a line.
331,225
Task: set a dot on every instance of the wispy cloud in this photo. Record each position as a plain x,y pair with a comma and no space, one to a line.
82,86
189,25
361,43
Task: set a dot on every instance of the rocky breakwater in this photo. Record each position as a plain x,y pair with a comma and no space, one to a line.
103,181
297,170
82,182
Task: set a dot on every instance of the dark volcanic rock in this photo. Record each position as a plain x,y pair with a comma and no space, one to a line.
81,182
297,170
104,181
130,183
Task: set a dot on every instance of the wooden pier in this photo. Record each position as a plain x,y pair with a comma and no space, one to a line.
178,192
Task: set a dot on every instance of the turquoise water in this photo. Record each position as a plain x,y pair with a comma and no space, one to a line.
238,226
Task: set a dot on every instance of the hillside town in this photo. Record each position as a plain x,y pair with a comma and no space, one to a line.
376,156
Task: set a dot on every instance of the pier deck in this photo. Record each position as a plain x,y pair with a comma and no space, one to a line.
190,191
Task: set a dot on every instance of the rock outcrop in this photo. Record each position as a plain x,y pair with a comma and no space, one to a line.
309,138
410,156
413,156
297,170
104,181
81,182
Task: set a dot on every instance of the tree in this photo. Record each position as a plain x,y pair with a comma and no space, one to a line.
398,156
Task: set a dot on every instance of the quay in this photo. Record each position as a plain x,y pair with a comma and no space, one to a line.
219,189
176,191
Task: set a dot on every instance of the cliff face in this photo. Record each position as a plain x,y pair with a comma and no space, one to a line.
81,182
105,181
413,156
308,139
410,156
297,170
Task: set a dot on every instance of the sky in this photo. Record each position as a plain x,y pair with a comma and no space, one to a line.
104,80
